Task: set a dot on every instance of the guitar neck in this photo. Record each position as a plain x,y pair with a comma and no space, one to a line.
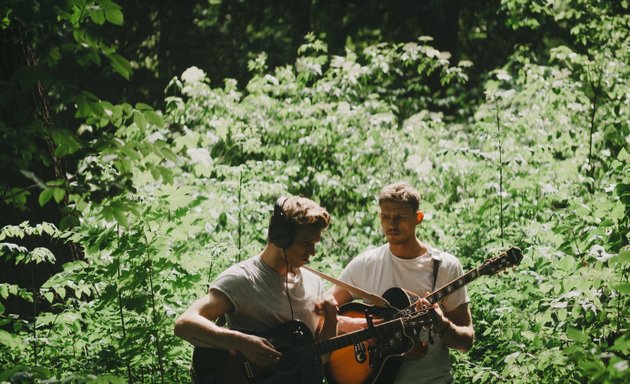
453,285
325,346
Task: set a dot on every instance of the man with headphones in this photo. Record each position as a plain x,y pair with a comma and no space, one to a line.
266,290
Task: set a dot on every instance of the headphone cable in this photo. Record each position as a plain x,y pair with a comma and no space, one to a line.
286,283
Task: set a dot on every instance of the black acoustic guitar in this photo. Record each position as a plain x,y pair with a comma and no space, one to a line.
380,360
301,354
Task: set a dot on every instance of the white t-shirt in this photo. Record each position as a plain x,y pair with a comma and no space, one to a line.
259,296
378,269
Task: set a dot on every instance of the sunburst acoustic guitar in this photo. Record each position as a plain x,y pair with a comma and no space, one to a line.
378,361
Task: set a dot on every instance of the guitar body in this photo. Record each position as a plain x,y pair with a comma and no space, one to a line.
222,366
372,361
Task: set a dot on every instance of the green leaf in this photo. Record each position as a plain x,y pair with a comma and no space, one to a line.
167,174
120,216
169,154
622,288
577,335
59,194
154,118
10,340
97,16
114,16
49,296
61,291
140,120
4,290
45,196
120,65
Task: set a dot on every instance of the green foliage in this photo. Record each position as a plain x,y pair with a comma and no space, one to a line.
168,199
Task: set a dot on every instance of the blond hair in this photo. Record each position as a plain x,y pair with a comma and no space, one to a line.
304,212
400,192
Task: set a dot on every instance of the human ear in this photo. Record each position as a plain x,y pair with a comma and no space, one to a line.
419,217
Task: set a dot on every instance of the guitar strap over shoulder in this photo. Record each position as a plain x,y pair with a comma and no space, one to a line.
436,268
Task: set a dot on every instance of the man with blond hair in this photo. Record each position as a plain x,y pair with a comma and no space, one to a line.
408,263
266,290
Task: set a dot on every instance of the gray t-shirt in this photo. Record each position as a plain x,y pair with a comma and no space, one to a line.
378,269
259,296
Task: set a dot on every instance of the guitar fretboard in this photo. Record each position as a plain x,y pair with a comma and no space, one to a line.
381,330
453,285
438,295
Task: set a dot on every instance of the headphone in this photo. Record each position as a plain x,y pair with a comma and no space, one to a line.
281,228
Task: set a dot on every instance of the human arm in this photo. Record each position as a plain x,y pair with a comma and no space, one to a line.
454,326
196,325
327,310
346,324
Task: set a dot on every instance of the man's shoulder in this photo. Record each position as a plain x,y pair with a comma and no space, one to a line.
369,257
242,269
445,258
374,253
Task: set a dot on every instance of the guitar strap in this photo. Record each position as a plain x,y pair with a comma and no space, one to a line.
436,268
376,299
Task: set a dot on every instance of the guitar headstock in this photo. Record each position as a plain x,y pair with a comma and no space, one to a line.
505,259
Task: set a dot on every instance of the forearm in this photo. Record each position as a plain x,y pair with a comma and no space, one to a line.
201,332
458,337
347,324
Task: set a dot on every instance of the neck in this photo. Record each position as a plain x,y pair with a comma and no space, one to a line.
409,249
274,257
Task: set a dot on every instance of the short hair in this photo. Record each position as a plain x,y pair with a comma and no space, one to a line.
293,213
400,192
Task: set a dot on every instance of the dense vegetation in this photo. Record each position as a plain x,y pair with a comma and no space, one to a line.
116,213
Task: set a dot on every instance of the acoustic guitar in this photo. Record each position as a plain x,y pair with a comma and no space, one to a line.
379,362
300,362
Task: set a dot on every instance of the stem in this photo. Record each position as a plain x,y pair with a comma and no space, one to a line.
496,108
592,123
34,312
619,309
240,223
155,313
120,304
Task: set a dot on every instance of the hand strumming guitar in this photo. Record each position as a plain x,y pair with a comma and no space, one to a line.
258,350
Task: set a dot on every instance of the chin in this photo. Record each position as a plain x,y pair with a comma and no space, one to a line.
396,240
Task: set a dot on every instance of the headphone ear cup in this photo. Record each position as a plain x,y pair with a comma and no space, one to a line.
281,231
280,236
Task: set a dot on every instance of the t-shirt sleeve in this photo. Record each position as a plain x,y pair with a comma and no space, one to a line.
458,297
352,272
232,285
